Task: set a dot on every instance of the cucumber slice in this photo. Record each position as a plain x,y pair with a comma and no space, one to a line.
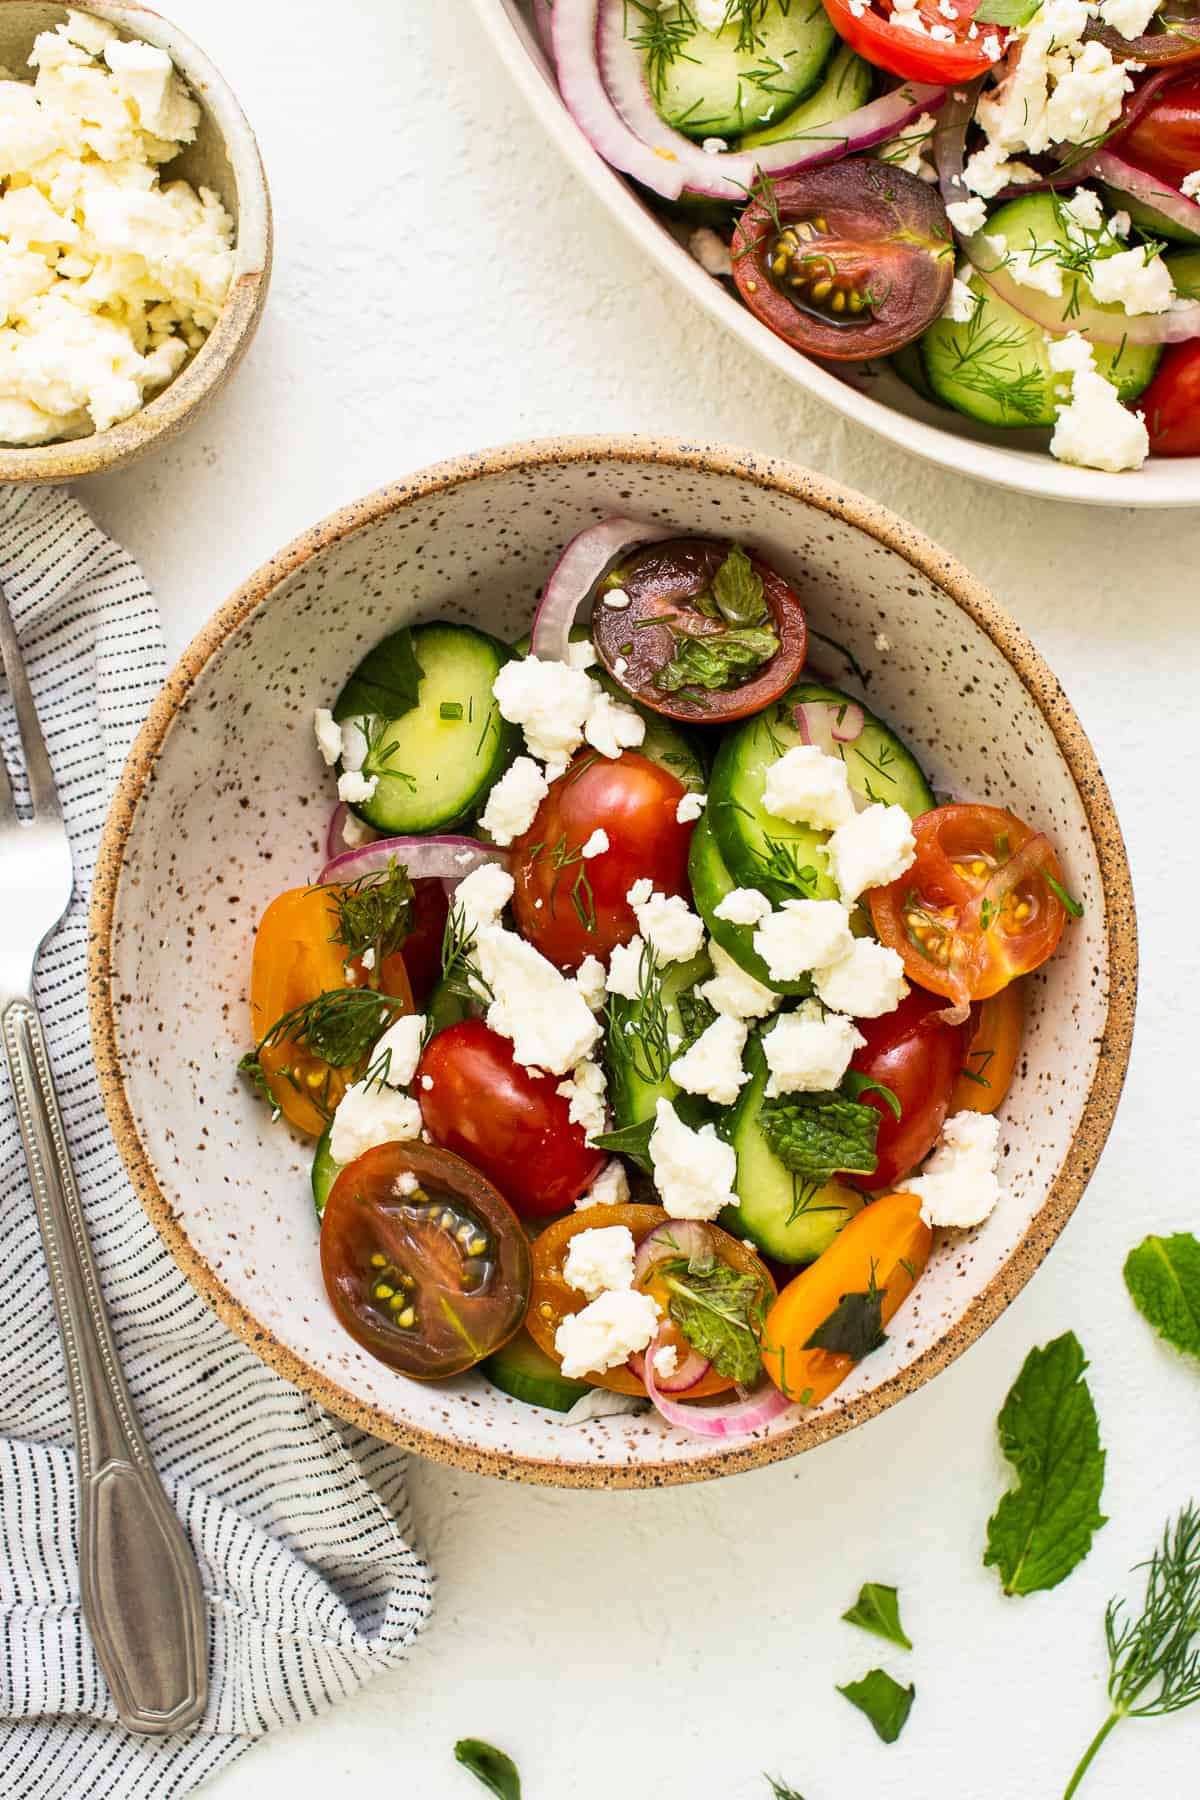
637,1069
1185,272
1148,217
740,78
437,762
846,84
786,861
711,881
786,1222
522,1369
445,1007
994,366
324,1171
909,365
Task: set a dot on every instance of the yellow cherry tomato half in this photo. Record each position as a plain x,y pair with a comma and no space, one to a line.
997,1028
888,1243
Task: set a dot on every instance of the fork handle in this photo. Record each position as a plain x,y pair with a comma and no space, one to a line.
140,1586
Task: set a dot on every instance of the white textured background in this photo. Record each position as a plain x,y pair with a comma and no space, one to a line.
441,284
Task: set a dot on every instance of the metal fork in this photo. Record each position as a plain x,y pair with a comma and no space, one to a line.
142,1598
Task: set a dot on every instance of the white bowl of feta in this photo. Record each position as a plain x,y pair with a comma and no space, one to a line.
135,235
872,394
222,803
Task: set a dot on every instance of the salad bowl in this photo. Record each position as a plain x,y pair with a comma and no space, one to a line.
872,395
221,803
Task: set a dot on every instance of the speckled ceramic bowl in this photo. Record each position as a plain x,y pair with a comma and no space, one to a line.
225,158
224,802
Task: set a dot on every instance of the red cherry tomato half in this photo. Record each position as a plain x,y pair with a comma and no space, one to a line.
673,583
915,54
512,1125
1164,139
848,261
429,1274
1171,404
571,906
981,904
917,1056
423,945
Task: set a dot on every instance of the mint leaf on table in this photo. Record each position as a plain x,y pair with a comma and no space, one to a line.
719,1312
820,1135
1163,1278
883,1700
1049,1432
492,1767
877,1609
386,683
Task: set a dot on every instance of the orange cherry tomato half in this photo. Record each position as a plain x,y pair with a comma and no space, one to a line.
916,54
997,1027
295,959
887,1244
552,1299
571,906
514,1127
980,905
429,1278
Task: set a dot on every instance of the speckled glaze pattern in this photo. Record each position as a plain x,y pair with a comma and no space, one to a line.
225,158
224,802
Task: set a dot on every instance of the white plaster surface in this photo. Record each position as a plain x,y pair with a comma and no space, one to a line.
441,283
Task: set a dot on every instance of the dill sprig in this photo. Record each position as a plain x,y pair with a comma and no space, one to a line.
337,1027
460,965
564,857
986,362
1154,1659
252,1068
374,913
637,1029
662,38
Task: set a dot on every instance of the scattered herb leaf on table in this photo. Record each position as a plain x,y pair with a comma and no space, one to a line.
877,1609
1163,1278
492,1767
883,1700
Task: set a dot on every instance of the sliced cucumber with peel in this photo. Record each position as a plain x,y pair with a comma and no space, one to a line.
846,84
1147,217
324,1171
634,1085
711,882
521,1368
723,83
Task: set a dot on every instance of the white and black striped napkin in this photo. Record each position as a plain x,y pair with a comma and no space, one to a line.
300,1525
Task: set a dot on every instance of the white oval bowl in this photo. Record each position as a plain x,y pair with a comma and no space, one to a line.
224,802
882,402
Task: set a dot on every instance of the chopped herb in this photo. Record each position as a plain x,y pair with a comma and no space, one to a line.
696,1014
492,1767
450,709
1060,893
632,1141
781,1790
877,1609
252,1068
461,973
719,1312
822,1134
855,1084
562,857
1163,1278
386,683
637,1029
723,660
855,1326
374,913
884,1702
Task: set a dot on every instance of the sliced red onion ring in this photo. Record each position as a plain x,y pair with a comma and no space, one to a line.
823,724
425,858
602,79
587,557
736,1418
670,1241
1140,185
950,142
1176,326
690,1370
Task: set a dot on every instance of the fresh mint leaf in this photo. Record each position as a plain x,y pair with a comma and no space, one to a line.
725,659
386,683
883,1700
877,1609
1163,1278
821,1135
632,1141
719,1312
1049,1432
1007,12
856,1084
696,1014
738,590
492,1767
855,1326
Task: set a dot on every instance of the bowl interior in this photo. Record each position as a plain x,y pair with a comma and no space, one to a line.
235,807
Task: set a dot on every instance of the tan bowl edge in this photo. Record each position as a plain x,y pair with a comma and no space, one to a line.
1008,637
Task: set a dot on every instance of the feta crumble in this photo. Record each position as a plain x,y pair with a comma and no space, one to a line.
535,1006
1093,428
612,727
591,980
967,216
694,1171
599,1260
550,701
586,1089
513,803
803,935
666,1361
1189,187
960,1185
960,302
328,735
1128,280
624,969
596,845
743,906
690,808
667,923
866,984
713,1065
808,1051
871,849
1129,17
482,896
610,1188
806,787
371,1115
401,1045
734,992
606,1332
354,787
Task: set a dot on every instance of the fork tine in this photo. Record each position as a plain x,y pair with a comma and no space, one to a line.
42,790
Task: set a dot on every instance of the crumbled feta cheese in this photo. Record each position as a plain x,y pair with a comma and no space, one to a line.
615,597
711,15
1092,427
911,149
600,1260
612,727
356,832
405,1184
1084,209
1128,280
712,253
960,302
581,653
1038,269
808,1051
370,1115
743,906
586,1089
591,981
483,895
597,844
354,743
690,808
538,1008
354,787
1189,187
367,959
865,984
1121,224
732,991
624,969
328,734
667,923
606,1332
871,849
666,1361
694,1171
803,935
550,701
883,642
713,1065
513,803
713,146
401,1045
967,216
807,787
989,171
610,1188
1129,17
960,1185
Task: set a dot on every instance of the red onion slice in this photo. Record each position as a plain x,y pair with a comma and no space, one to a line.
425,858
1147,188
738,1418
1176,326
673,1239
823,723
543,19
689,1371
587,557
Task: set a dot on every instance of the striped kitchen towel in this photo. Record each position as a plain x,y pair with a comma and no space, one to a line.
300,1525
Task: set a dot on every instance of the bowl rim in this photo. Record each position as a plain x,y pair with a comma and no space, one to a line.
928,559
69,459
1164,482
